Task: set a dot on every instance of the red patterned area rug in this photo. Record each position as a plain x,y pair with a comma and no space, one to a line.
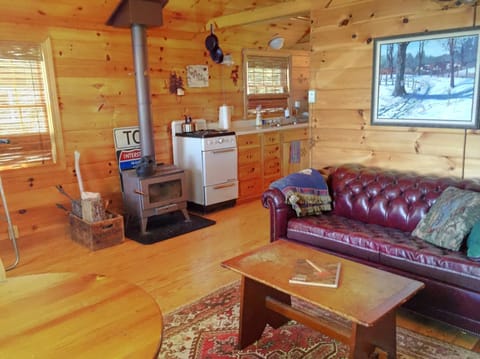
208,329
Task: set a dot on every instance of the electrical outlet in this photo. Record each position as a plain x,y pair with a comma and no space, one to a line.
311,96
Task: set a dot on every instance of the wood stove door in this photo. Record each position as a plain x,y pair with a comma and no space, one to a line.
158,191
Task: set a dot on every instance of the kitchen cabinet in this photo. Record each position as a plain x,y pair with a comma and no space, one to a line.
264,157
271,151
249,166
295,150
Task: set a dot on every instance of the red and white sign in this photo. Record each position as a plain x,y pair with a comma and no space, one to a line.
128,159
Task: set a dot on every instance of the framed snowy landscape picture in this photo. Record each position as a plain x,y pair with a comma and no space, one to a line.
428,79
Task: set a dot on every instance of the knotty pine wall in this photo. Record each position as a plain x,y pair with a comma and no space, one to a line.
341,70
96,93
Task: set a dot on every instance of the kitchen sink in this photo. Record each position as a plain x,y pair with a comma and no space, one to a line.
280,122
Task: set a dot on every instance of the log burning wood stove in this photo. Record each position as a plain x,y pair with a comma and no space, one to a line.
149,189
160,193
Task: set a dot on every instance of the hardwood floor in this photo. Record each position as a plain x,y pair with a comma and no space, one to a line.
178,271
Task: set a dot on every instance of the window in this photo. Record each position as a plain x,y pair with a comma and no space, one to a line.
267,84
29,113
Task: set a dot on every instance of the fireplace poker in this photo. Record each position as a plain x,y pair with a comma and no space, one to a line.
62,191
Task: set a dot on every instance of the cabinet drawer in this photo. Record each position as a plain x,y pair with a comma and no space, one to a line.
248,155
248,140
249,171
294,135
250,188
271,167
270,138
272,151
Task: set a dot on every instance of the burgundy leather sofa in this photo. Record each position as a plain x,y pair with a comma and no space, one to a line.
374,212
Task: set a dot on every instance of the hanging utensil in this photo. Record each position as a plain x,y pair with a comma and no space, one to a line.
211,41
217,55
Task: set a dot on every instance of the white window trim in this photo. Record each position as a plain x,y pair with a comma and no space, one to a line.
53,113
251,52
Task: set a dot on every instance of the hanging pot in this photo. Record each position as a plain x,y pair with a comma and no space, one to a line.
217,55
211,41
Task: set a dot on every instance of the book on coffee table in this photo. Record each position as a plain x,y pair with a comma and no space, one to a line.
307,272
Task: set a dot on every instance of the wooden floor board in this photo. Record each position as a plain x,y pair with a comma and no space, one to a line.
182,269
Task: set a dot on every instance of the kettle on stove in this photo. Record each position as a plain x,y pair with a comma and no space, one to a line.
188,125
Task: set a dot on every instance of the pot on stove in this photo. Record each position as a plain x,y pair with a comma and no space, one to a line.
188,125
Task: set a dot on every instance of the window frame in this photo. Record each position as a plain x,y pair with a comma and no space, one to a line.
266,97
53,113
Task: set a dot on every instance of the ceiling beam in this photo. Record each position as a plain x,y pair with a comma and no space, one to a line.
261,14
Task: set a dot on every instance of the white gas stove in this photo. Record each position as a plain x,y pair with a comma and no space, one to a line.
209,158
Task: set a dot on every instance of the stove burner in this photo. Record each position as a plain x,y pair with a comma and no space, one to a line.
206,133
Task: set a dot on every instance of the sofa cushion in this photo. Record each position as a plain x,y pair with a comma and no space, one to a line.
386,246
387,198
473,243
450,218
346,236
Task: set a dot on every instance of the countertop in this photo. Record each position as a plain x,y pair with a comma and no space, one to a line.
245,127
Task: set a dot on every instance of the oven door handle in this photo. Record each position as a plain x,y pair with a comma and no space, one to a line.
224,151
221,186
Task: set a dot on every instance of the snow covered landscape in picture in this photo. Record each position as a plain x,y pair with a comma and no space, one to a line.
430,82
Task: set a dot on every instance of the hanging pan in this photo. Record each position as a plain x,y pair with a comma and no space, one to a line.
217,55
211,41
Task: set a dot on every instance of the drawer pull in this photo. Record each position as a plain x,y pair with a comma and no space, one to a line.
221,186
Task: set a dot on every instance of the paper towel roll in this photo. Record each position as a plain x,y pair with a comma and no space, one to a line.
224,116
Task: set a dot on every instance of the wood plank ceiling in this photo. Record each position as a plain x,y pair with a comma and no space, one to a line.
184,18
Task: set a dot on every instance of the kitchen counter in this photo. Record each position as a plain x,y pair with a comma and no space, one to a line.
244,127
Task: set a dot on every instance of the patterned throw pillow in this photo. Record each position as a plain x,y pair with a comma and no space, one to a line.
473,243
450,219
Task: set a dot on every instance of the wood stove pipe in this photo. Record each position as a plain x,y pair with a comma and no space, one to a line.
138,15
147,164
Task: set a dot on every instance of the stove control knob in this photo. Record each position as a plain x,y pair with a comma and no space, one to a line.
220,140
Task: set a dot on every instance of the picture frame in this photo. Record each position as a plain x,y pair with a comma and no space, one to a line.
428,79
197,76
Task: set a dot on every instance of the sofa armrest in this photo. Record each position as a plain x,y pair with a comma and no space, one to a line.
280,212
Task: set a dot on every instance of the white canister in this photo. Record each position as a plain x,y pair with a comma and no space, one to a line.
224,116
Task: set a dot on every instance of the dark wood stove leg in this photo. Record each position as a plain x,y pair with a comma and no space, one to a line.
143,225
186,215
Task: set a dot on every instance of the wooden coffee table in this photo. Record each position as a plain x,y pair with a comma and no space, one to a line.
366,296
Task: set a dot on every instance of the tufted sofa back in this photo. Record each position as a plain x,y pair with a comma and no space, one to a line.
385,197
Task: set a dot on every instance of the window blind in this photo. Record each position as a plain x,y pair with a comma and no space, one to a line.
267,85
24,132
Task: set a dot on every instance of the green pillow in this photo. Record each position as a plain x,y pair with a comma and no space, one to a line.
473,243
450,218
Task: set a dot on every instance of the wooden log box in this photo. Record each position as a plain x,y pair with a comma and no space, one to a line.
97,235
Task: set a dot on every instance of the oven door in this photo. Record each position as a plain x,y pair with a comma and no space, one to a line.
219,166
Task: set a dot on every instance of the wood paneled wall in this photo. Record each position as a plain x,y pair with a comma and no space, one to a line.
96,92
341,70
